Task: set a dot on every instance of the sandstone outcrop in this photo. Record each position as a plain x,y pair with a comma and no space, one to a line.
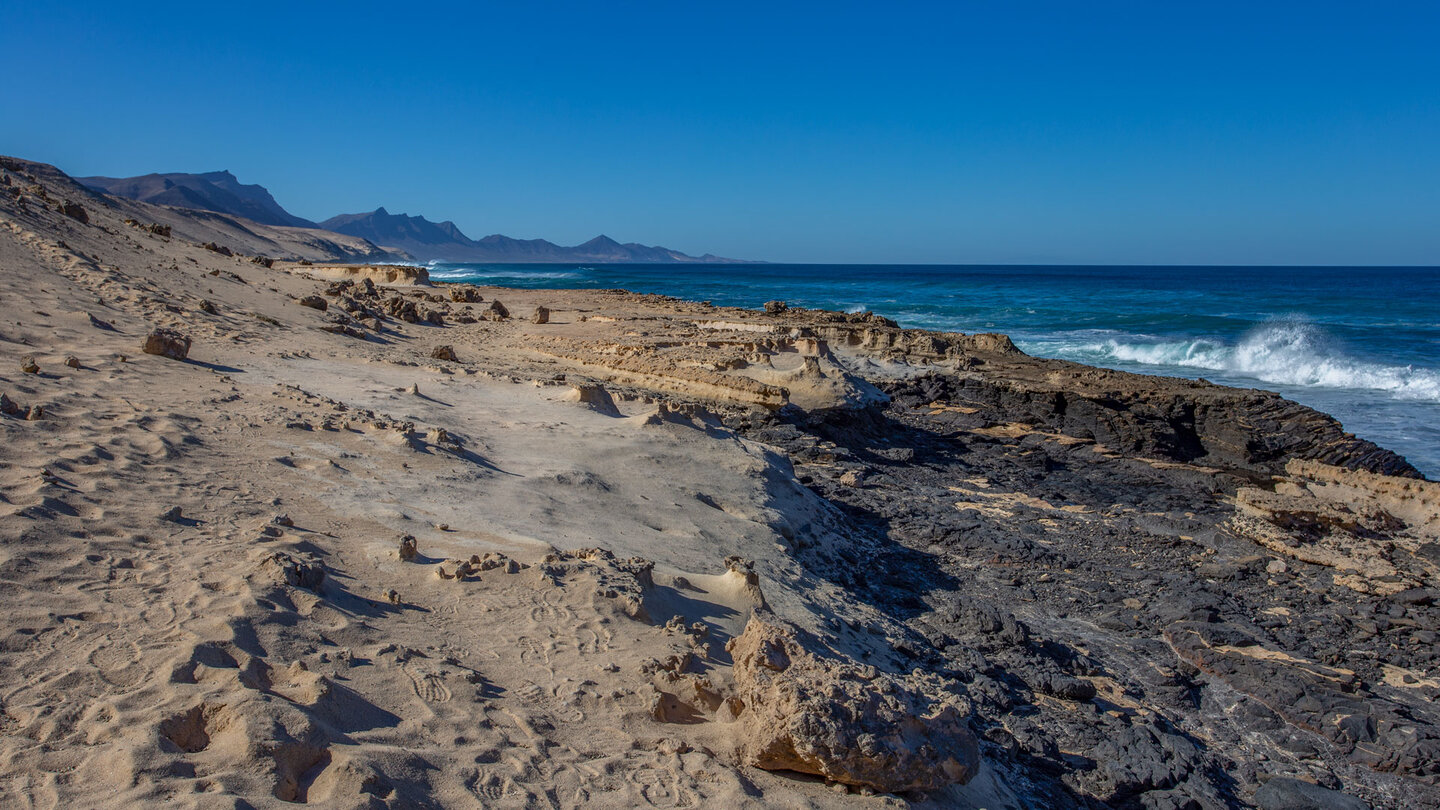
395,275
803,711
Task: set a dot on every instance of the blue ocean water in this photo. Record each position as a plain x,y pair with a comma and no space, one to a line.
1360,343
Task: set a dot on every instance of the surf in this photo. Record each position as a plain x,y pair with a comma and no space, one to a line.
1282,351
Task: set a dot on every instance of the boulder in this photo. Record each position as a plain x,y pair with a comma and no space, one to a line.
315,302
9,407
75,211
444,353
465,294
775,307
495,312
542,315
29,366
168,343
813,713
221,249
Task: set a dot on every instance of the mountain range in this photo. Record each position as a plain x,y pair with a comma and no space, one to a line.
412,237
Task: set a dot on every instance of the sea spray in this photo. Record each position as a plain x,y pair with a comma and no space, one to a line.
1287,351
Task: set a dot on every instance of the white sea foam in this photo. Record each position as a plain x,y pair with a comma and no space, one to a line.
1287,352
856,309
465,274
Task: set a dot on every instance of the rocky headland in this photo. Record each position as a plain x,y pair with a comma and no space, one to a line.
323,531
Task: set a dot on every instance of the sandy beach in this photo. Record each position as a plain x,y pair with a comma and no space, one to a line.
306,530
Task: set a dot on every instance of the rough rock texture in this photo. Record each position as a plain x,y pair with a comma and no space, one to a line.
849,723
167,343
1178,420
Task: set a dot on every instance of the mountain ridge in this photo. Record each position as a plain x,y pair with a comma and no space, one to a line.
444,241
220,192
414,236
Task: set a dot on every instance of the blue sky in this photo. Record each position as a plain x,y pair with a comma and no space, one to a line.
964,132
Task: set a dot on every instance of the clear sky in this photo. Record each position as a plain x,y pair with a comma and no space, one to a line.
960,132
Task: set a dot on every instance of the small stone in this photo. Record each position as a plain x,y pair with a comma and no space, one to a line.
315,302
775,307
444,353
9,407
542,315
208,308
413,389
852,478
282,520
72,361
172,514
1275,567
35,414
29,366
392,596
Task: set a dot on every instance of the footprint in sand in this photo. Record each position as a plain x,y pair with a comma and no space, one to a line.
118,663
538,698
589,642
534,654
429,686
661,788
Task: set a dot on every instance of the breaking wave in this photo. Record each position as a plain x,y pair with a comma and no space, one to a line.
1286,352
475,274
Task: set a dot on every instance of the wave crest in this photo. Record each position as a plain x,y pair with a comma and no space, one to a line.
1287,352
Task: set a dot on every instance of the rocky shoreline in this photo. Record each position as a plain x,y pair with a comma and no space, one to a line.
346,536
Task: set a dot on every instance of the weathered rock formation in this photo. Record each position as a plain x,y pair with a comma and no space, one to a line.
807,712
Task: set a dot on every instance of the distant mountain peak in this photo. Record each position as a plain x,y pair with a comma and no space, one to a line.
443,241
222,192
218,191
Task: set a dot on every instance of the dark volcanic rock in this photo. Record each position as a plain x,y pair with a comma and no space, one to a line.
1284,793
1068,553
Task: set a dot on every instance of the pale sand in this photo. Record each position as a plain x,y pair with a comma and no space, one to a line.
147,660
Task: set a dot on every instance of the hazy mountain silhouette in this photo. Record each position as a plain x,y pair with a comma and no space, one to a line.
415,236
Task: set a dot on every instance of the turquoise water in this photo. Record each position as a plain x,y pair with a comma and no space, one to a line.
1360,343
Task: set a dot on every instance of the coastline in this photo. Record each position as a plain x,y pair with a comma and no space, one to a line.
1079,583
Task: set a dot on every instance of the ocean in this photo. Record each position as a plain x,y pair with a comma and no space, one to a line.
1359,343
